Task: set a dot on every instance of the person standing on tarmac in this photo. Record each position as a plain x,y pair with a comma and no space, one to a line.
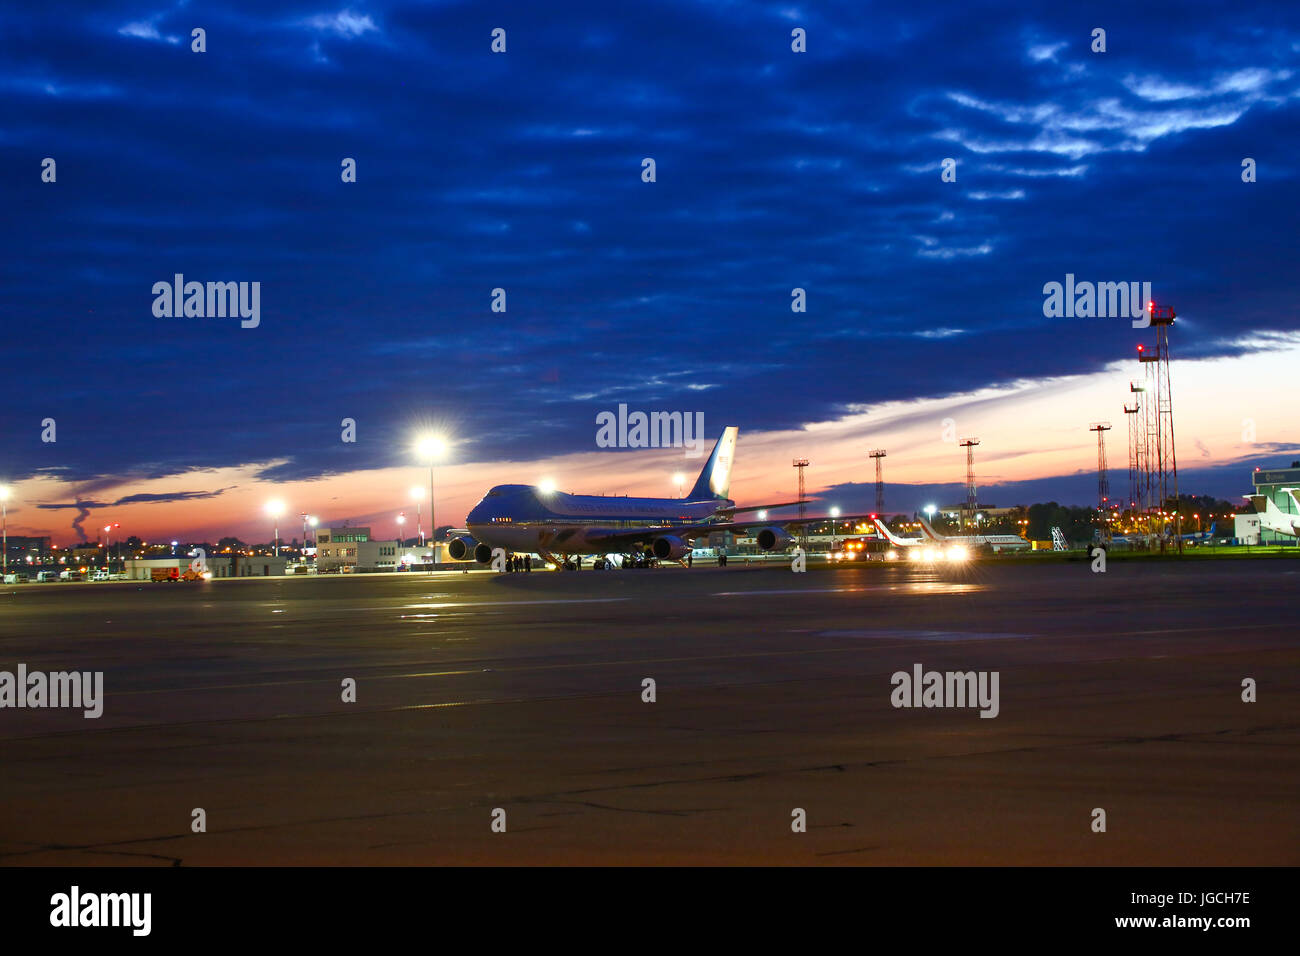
528,562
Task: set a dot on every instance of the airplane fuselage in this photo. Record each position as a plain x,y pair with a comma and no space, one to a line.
998,542
525,518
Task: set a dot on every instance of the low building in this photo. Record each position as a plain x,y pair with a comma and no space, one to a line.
245,565
21,547
222,565
88,555
1245,528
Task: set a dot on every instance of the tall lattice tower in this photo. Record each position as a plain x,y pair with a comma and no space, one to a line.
972,497
1133,415
801,464
878,454
1149,486
1162,459
1103,480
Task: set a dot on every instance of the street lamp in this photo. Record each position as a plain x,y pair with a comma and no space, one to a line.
274,509
680,481
4,509
401,520
835,513
417,493
430,448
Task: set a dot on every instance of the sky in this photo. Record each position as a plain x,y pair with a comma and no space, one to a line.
523,170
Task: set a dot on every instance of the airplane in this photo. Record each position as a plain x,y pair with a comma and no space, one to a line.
532,520
1206,535
998,542
1273,518
954,550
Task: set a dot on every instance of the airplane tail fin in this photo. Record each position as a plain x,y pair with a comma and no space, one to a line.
930,532
715,480
893,538
1267,506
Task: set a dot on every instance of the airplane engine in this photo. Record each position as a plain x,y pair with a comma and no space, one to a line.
482,554
670,548
461,549
773,539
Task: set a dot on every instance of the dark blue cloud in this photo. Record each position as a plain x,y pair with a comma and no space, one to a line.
522,171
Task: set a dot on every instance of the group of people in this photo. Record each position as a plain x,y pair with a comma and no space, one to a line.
722,559
519,562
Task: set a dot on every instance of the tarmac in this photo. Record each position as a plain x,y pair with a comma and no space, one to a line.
521,699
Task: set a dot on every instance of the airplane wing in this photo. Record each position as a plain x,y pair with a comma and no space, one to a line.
782,504
615,538
819,519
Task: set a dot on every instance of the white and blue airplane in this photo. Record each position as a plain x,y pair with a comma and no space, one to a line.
528,519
